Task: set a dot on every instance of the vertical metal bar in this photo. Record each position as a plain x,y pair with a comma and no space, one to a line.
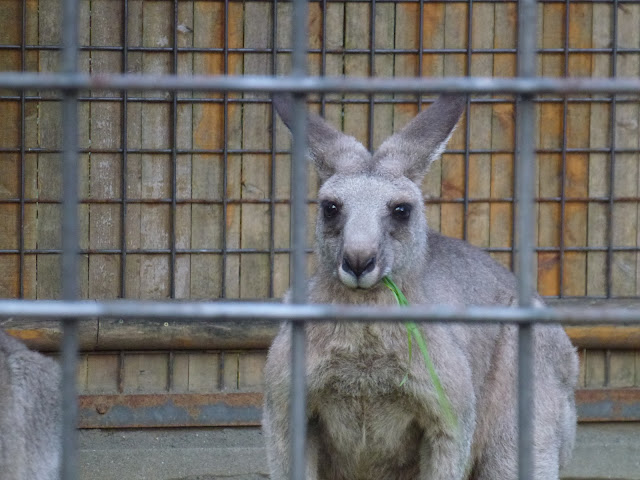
125,153
372,68
420,46
612,152
565,106
527,36
23,160
225,153
174,158
467,126
272,180
298,399
323,53
69,240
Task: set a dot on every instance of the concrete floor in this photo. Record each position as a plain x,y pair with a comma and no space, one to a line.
603,451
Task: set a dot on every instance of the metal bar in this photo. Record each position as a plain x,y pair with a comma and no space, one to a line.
33,151
467,125
372,72
174,159
165,251
170,410
564,152
225,157
70,237
612,152
382,101
307,84
250,311
125,153
272,180
244,409
23,66
297,398
527,36
377,51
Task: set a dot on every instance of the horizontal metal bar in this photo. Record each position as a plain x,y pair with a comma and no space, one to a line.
169,410
327,51
240,311
608,405
232,251
248,83
245,409
328,101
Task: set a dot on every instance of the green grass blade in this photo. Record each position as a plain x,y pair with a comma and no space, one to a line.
414,331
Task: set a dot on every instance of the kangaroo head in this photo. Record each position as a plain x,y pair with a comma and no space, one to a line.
371,220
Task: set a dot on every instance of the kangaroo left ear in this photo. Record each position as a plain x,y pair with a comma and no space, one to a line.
413,149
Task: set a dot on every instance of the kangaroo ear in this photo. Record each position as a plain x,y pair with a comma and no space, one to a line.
410,151
330,150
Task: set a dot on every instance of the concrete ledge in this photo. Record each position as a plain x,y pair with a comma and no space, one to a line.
603,451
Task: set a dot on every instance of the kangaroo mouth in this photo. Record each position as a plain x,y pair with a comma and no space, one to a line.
359,282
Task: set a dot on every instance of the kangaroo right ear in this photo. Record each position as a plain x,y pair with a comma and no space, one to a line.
331,150
410,151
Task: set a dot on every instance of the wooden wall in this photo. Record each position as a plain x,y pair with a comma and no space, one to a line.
186,196
201,212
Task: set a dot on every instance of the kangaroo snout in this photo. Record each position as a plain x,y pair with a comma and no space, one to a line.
359,269
358,265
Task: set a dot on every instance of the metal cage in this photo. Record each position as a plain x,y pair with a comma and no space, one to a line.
73,87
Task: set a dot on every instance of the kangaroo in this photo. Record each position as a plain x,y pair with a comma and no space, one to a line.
363,421
29,413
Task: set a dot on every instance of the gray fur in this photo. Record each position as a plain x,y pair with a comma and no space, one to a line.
29,413
362,423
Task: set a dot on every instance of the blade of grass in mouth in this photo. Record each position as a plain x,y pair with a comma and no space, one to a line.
413,331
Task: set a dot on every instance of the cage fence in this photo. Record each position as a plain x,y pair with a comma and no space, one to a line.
184,186
185,194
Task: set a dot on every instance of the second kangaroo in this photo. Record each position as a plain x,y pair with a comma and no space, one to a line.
362,422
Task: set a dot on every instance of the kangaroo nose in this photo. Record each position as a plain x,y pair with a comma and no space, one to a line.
358,265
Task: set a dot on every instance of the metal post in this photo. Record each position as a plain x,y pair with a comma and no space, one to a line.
527,18
69,240
297,414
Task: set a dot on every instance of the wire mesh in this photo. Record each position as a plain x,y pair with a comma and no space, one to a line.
145,88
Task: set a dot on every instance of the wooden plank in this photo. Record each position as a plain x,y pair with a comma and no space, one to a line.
250,371
550,165
203,372
478,219
186,334
452,215
148,225
502,137
595,369
102,373
46,335
357,32
9,162
622,368
230,372
599,164
383,67
205,271
146,372
627,264
625,215
256,169
576,180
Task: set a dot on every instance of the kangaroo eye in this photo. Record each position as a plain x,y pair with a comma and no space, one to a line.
402,211
330,209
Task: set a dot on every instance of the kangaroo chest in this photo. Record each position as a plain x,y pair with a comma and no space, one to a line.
364,416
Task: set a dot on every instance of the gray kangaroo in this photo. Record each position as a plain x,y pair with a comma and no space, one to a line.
29,413
363,422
